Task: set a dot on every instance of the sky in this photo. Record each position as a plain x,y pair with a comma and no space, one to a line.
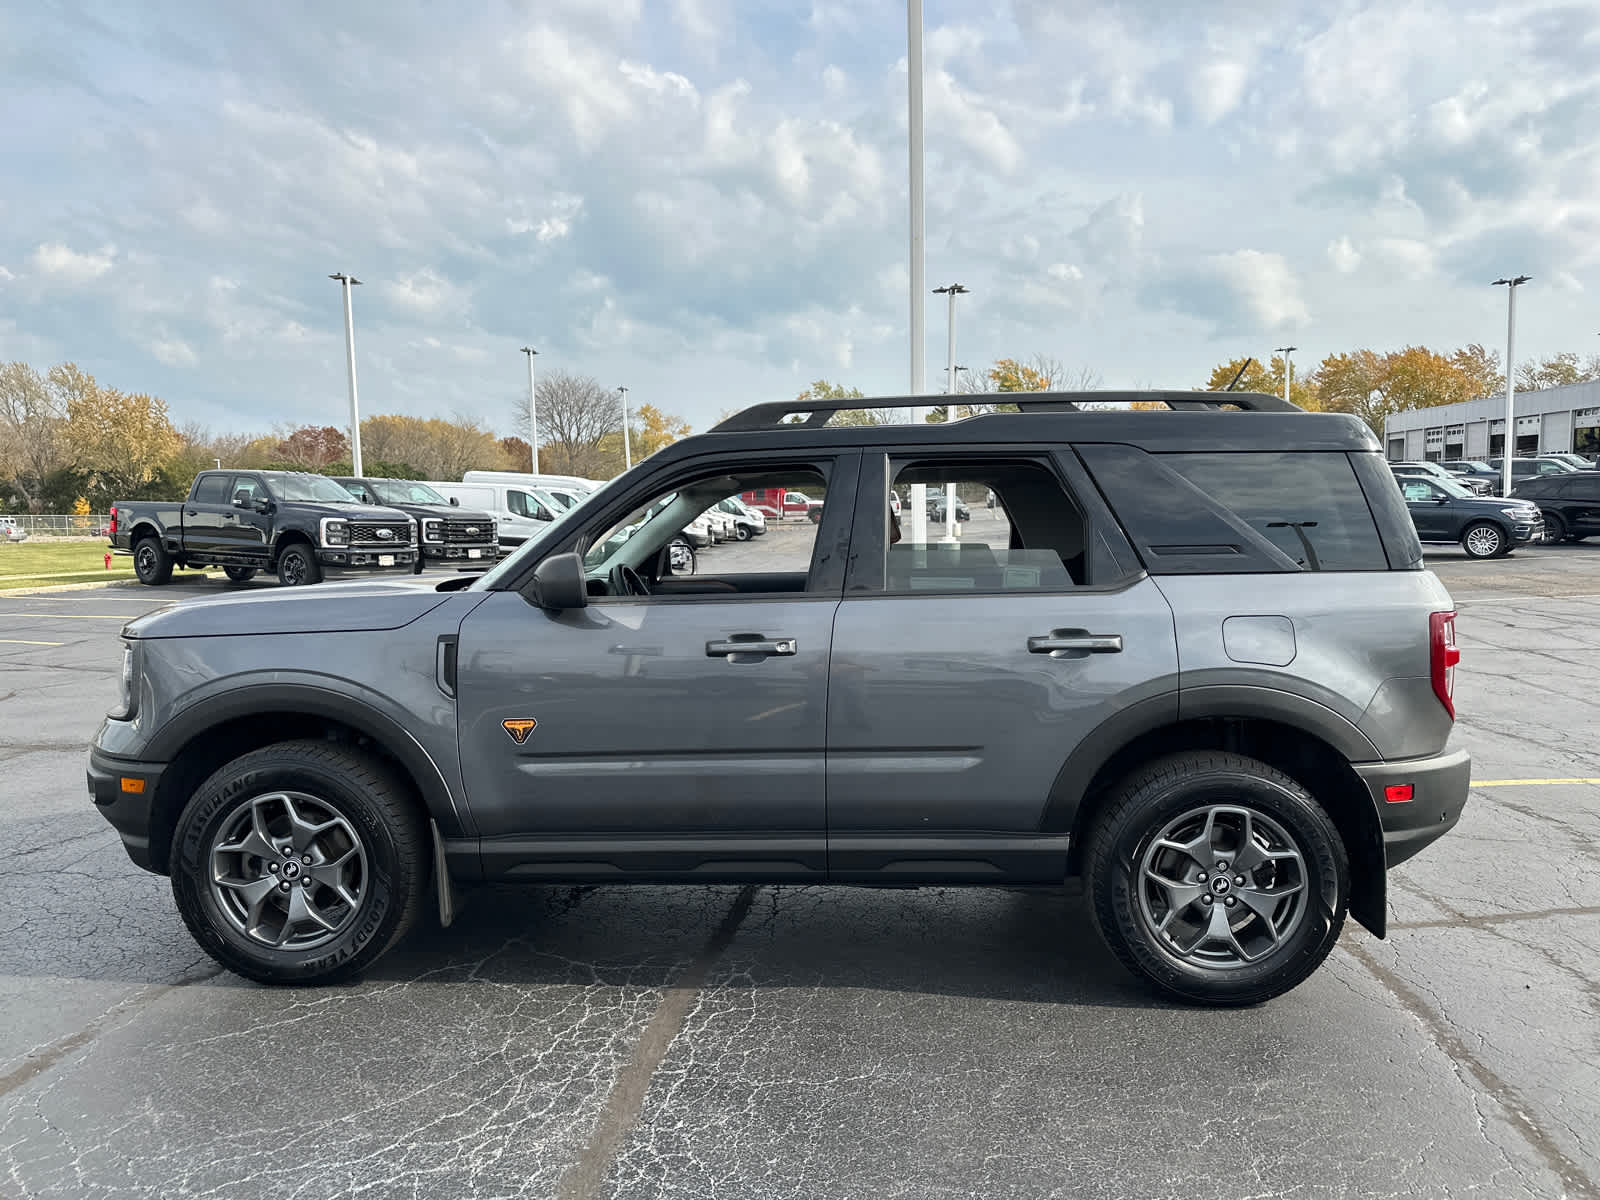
706,200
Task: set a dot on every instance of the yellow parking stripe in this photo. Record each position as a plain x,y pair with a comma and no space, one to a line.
1525,782
25,642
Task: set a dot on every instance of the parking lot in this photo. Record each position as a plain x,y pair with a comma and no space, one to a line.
777,1041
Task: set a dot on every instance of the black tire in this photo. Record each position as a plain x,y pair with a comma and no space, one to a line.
1170,791
151,563
361,791
1555,529
297,565
240,574
742,532
1485,539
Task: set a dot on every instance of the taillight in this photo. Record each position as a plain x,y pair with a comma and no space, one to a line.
1443,658
113,527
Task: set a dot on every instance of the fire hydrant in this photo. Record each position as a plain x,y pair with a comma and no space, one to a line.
108,560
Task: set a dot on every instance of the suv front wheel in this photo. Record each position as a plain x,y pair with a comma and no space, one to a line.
1217,878
299,862
1485,539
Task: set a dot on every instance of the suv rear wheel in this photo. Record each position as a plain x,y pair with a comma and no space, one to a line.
299,862
1555,529
1217,878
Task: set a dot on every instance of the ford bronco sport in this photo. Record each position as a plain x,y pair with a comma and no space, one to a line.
1190,660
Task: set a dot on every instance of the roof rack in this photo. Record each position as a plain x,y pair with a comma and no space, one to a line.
776,414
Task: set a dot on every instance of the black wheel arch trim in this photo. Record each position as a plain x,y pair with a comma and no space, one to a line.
309,700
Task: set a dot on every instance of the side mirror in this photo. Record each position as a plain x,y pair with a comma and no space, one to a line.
1442,500
239,502
455,501
263,505
559,583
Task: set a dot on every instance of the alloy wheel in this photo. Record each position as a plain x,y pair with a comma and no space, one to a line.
288,871
1222,887
1483,541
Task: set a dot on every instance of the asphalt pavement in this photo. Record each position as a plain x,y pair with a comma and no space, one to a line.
788,1041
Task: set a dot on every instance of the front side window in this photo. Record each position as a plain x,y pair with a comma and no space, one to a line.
359,491
397,491
671,545
1034,537
247,490
524,505
1416,491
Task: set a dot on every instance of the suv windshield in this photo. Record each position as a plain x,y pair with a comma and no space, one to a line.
308,488
405,491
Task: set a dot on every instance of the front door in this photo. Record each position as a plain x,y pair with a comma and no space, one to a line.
674,727
1431,510
249,530
966,672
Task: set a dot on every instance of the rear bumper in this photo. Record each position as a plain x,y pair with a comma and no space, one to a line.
128,811
1438,794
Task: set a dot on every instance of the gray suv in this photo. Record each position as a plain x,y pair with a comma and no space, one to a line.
1190,662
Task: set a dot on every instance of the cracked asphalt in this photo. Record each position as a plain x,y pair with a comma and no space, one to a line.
777,1042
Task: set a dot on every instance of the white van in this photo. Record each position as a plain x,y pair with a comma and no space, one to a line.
520,510
567,490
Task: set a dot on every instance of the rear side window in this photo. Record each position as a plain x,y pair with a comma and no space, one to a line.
1225,513
212,489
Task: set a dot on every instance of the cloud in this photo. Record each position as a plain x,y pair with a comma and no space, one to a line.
1216,88
56,261
1343,255
174,352
1244,291
426,293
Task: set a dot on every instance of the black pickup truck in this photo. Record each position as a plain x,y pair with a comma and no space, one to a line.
450,534
297,525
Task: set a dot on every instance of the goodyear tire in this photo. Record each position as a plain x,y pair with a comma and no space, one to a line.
1217,878
151,563
297,565
300,862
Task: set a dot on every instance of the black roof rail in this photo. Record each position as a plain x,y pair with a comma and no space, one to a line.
776,414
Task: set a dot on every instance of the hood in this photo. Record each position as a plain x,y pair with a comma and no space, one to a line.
351,512
444,510
326,608
1493,503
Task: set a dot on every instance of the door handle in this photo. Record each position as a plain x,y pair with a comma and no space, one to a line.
1063,642
192,512
751,647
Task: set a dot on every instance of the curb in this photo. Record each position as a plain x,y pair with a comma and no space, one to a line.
190,577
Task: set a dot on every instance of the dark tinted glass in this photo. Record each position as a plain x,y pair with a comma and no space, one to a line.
212,489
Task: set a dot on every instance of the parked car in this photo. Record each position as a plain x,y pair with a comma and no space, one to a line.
1486,527
519,510
721,524
1523,468
315,773
568,491
747,522
1428,470
1570,504
11,530
448,533
778,503
1466,469
936,506
1576,461
301,527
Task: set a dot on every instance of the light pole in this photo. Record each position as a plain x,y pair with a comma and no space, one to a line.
533,412
627,450
348,281
919,493
950,291
1288,367
1508,448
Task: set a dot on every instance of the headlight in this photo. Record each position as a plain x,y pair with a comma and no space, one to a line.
433,530
125,700
335,531
1521,514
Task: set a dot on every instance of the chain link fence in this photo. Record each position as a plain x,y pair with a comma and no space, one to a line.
61,525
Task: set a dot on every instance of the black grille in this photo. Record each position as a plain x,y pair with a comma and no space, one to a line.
469,531
370,533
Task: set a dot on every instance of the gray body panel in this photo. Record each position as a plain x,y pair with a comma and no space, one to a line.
942,724
645,738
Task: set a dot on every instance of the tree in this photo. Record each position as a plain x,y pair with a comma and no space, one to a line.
122,440
652,429
515,453
1373,385
312,447
1556,371
821,389
32,441
1482,367
1267,377
576,414
438,448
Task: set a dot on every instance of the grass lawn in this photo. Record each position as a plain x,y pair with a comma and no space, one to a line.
40,563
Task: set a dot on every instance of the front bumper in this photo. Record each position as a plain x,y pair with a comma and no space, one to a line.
366,560
1438,794
458,552
125,791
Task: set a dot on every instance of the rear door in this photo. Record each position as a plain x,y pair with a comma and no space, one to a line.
1432,513
207,515
1579,502
966,673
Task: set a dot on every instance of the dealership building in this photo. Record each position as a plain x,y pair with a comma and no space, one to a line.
1551,419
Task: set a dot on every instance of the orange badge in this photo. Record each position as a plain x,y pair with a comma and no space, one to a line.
519,728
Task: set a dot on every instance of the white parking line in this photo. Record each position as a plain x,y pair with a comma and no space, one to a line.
26,642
